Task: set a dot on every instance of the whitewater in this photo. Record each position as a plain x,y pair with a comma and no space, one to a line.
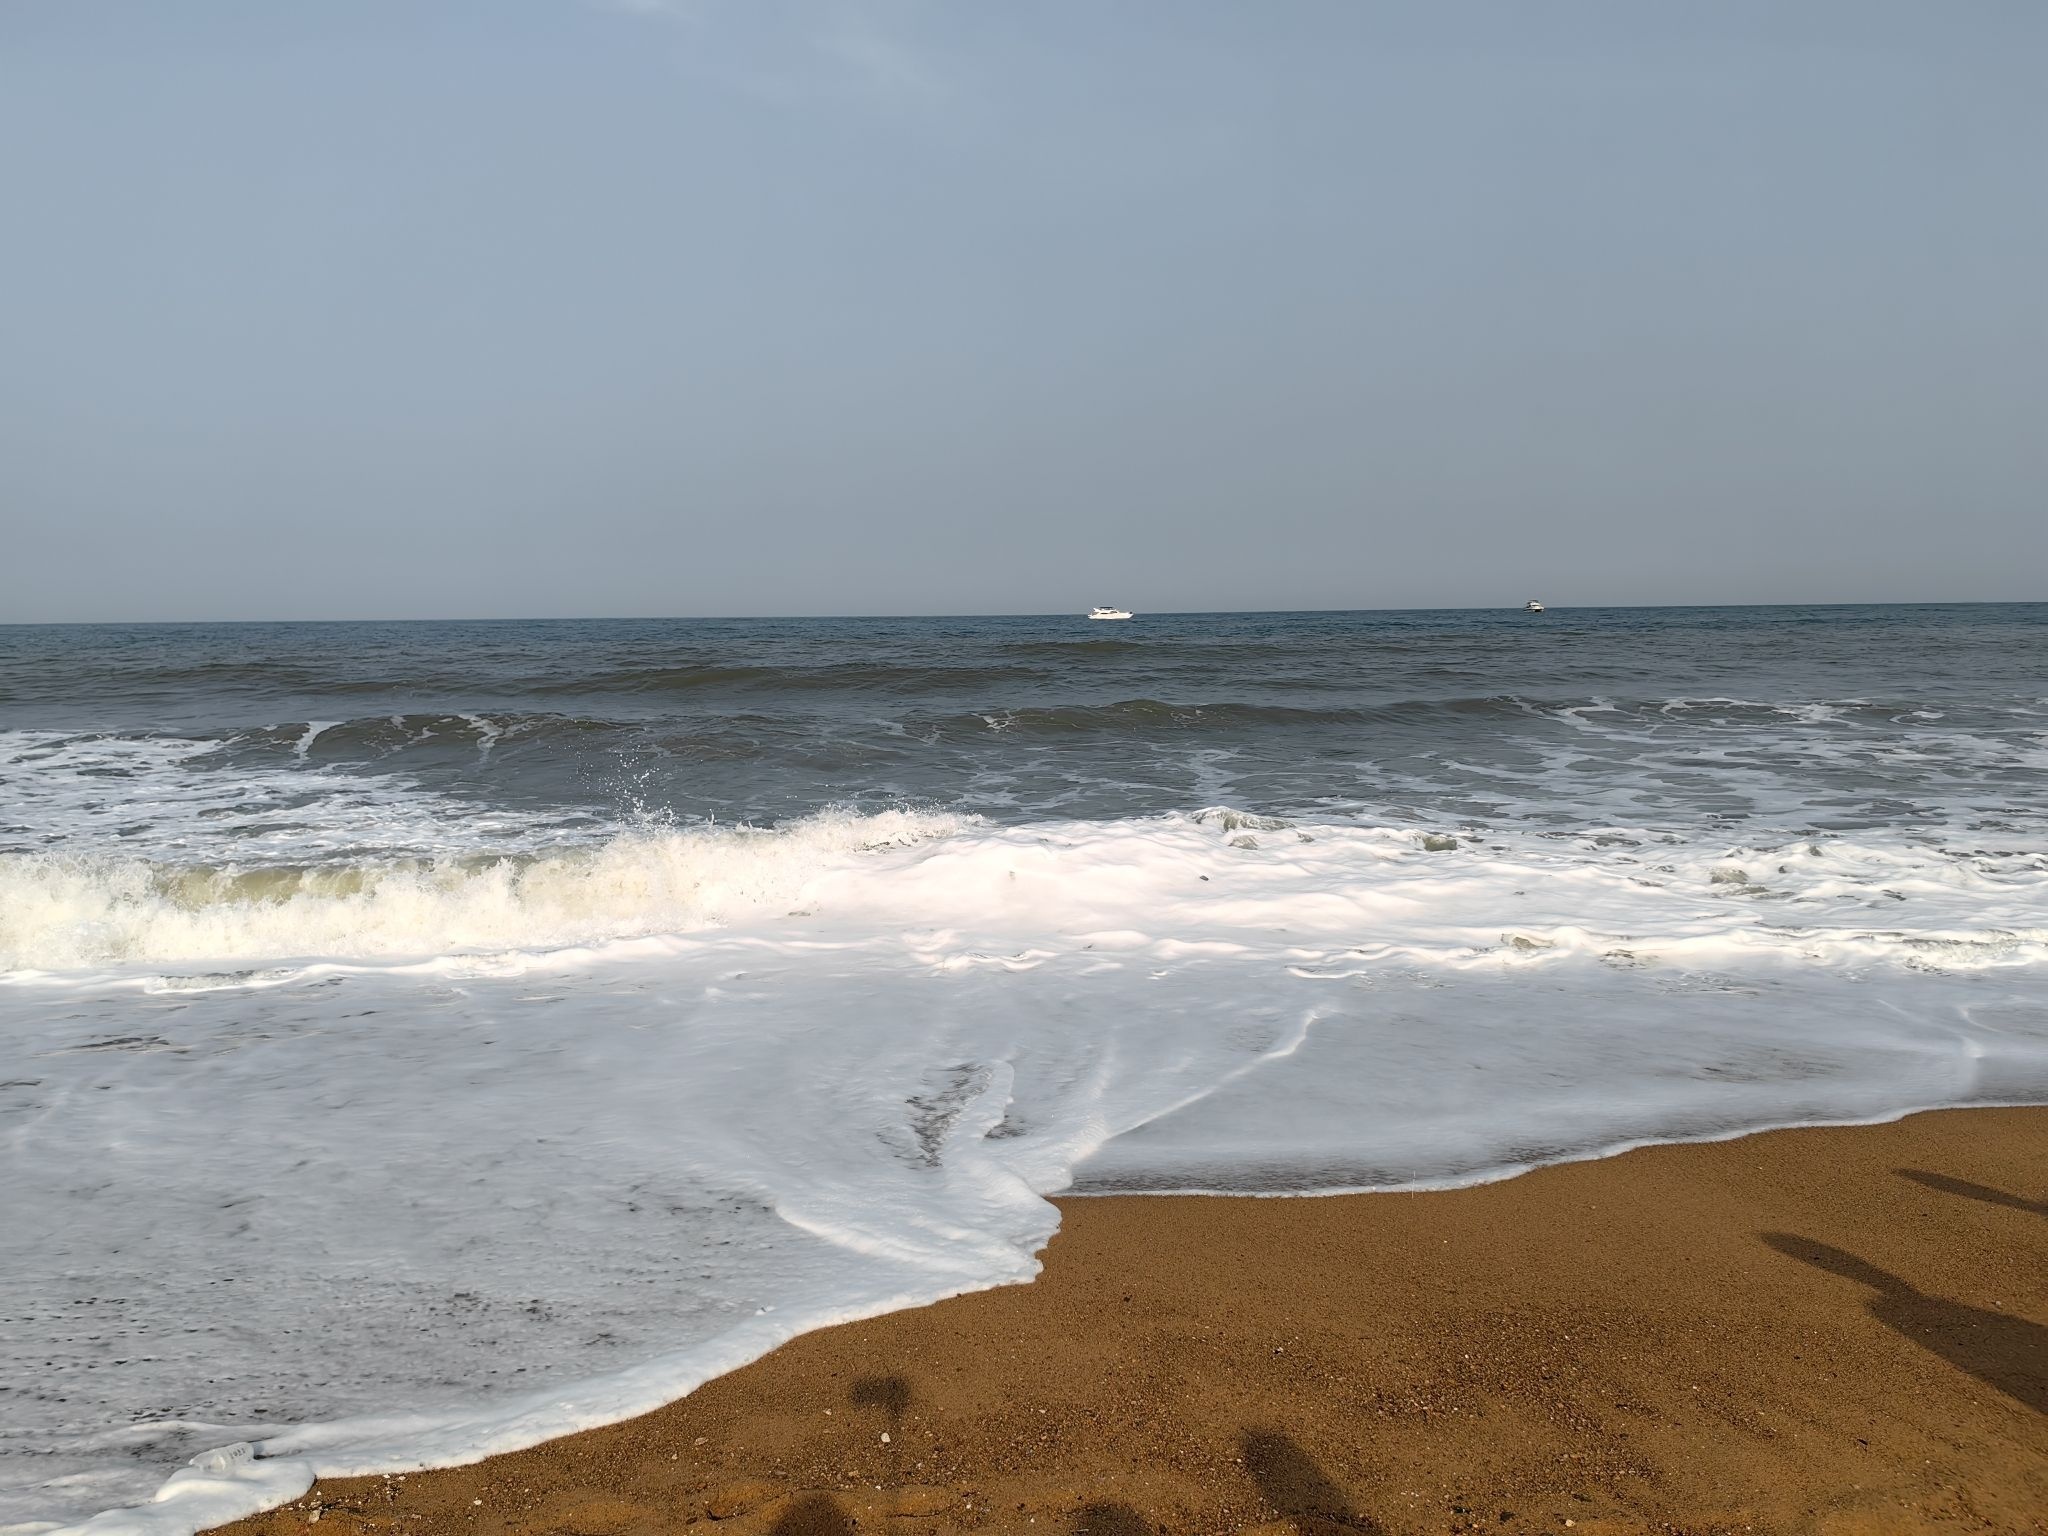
420,1041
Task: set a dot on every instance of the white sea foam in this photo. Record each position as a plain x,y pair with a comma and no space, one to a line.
1446,897
64,911
534,1144
169,800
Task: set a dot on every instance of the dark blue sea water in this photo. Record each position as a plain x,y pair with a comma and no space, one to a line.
1843,716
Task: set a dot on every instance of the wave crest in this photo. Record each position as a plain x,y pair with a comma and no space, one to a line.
60,912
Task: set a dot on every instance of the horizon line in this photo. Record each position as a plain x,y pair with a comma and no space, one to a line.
882,618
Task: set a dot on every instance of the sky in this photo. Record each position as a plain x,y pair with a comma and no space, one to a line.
531,308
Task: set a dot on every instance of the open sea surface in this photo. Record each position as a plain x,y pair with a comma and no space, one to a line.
417,1040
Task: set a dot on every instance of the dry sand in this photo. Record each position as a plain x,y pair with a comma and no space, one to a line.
1818,1330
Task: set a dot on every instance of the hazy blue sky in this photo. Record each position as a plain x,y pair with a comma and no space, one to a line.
538,307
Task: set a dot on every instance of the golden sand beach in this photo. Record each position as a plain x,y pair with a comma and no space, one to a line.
1832,1330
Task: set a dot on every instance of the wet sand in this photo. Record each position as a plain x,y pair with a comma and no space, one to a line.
1820,1330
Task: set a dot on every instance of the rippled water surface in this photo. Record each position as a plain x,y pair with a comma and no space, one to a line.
1856,715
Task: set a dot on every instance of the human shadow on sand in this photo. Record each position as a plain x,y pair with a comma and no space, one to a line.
1110,1520
891,1394
819,1514
1969,1191
1298,1490
815,1514
2002,1351
1290,1484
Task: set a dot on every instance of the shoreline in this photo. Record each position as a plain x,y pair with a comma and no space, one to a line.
1840,1329
1507,1173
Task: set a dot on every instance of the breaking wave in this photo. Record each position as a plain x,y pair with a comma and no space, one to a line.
1444,896
60,911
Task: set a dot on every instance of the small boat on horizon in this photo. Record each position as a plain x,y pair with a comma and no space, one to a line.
1109,613
1532,606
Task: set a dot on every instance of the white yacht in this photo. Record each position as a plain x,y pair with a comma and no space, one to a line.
1108,613
1532,606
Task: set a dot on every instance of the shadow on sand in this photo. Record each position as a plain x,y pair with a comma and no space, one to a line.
1289,1481
1296,1488
1110,1520
2002,1351
891,1394
819,1514
816,1514
1969,1191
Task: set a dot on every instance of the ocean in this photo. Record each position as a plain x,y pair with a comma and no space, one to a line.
417,1040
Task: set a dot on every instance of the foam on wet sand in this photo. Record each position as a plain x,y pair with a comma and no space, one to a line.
1839,1330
